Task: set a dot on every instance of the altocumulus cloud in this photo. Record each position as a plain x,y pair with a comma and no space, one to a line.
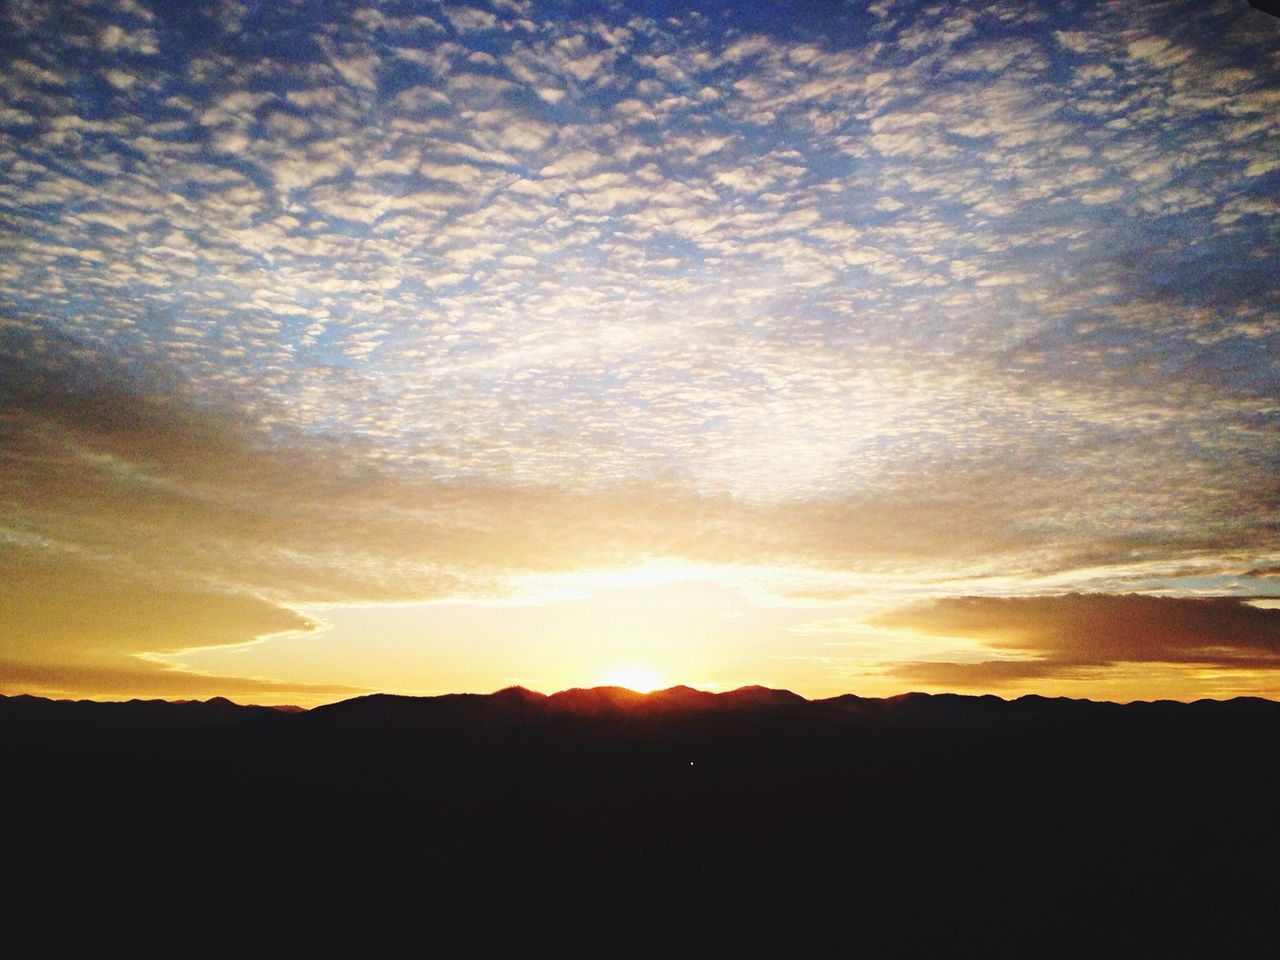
332,302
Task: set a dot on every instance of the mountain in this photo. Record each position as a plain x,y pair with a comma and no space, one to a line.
36,718
602,820
929,716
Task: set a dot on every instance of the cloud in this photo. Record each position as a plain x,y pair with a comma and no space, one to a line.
413,308
89,679
82,624
1081,635
988,674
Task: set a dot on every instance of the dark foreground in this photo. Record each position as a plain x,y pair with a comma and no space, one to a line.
601,822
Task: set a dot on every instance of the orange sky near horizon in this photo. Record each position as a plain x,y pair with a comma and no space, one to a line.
629,628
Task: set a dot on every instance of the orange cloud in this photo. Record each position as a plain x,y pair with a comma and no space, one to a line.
1079,636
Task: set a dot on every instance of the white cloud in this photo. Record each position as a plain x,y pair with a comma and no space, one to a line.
856,284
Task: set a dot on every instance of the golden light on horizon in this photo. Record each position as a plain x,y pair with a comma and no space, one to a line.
639,677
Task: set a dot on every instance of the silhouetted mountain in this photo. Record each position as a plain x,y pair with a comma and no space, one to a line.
596,700
751,818
36,717
27,717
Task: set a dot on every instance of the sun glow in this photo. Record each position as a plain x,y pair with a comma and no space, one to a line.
639,677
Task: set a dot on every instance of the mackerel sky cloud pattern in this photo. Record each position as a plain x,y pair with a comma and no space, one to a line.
973,292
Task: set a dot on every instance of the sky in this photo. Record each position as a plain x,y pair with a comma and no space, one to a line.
842,347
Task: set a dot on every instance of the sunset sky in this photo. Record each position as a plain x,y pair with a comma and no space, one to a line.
829,346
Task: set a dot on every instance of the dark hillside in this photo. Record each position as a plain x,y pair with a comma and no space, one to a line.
599,820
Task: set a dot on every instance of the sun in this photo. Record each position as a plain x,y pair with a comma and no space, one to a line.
639,677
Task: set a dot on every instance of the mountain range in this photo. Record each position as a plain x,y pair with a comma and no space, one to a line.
606,821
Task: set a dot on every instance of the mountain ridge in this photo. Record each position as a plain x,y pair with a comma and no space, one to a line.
598,806
680,694
28,718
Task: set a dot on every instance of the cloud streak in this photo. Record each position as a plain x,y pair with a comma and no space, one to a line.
1079,635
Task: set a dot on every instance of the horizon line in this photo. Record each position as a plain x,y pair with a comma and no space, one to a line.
641,695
